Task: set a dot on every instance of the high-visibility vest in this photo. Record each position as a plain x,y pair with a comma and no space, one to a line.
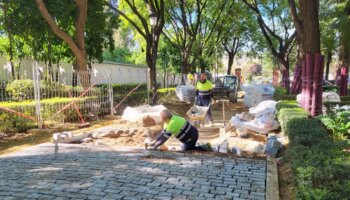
205,88
177,126
190,77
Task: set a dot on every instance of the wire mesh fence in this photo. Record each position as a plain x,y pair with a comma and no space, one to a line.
36,96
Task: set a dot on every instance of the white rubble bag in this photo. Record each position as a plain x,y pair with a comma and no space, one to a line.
256,93
264,108
330,97
264,120
252,96
186,93
138,113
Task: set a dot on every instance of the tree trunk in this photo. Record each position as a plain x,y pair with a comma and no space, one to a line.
19,69
329,60
184,66
311,27
230,62
78,48
57,70
49,58
286,77
9,34
308,32
151,58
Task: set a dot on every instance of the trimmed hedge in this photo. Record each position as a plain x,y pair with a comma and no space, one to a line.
321,169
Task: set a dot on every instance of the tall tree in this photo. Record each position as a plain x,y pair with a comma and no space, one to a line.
306,20
77,46
239,33
8,29
212,31
231,47
134,12
184,19
328,30
278,37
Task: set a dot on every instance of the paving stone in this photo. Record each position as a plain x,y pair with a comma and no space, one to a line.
97,172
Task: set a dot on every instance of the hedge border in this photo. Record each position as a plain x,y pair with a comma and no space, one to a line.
321,169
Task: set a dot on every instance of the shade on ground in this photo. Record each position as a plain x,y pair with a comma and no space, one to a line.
95,172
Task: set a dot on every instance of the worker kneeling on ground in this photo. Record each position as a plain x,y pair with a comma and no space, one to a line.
182,130
204,92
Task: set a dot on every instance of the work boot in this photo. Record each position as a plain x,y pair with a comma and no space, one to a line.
208,147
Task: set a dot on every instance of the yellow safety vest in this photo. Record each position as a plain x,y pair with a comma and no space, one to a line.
205,88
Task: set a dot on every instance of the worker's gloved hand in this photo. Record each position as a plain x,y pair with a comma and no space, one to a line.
152,147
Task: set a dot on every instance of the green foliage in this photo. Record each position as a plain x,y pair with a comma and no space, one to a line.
345,98
11,123
338,123
119,55
21,90
280,90
125,88
281,94
331,89
320,166
32,37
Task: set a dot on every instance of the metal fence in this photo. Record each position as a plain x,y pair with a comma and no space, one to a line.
37,96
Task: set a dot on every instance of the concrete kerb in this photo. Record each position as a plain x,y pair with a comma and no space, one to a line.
272,186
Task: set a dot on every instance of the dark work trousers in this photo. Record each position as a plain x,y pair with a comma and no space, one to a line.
205,101
190,144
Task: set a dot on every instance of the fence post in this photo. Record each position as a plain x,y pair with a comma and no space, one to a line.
110,90
148,71
37,94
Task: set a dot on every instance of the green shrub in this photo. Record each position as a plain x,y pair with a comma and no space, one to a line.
345,98
321,169
330,89
21,90
286,104
281,94
280,90
10,122
278,97
338,123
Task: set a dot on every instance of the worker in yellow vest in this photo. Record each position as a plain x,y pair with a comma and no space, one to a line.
190,77
182,130
203,93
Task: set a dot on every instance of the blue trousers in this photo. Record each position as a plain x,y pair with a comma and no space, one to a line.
190,144
205,101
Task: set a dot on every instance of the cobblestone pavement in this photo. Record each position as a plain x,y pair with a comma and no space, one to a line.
88,172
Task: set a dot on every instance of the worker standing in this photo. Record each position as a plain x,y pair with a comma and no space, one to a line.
190,77
203,93
182,130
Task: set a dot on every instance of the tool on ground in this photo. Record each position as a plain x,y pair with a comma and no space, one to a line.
223,101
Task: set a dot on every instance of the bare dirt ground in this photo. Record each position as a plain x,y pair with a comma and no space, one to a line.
134,134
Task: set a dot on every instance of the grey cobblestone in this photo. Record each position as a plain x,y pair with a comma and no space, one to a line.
83,172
